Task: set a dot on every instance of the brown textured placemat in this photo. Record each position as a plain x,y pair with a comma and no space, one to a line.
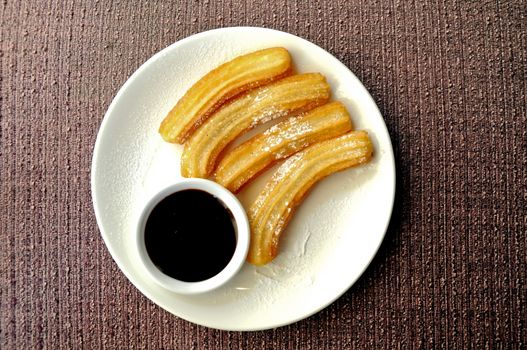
450,80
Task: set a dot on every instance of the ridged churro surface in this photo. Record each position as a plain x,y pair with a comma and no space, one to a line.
290,95
273,208
216,87
280,141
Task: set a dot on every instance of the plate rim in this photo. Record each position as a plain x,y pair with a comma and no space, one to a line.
105,121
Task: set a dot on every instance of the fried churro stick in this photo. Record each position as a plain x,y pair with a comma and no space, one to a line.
226,81
273,208
293,94
280,141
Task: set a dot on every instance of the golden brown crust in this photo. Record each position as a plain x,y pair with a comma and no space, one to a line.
280,141
293,94
273,208
226,81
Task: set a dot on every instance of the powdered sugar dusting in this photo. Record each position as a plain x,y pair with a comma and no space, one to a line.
286,167
268,114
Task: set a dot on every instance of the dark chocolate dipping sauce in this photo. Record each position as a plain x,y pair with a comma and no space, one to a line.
190,235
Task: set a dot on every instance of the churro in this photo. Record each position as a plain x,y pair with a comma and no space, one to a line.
294,94
215,88
280,141
273,208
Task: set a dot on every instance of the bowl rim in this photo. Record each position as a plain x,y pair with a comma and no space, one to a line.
242,230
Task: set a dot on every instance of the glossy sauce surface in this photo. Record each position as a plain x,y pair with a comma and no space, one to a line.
190,235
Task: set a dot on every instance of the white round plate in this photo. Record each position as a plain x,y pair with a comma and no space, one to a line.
329,242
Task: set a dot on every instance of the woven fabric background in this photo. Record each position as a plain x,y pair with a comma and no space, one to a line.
450,80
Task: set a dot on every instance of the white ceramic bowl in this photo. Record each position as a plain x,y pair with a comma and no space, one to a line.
241,224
